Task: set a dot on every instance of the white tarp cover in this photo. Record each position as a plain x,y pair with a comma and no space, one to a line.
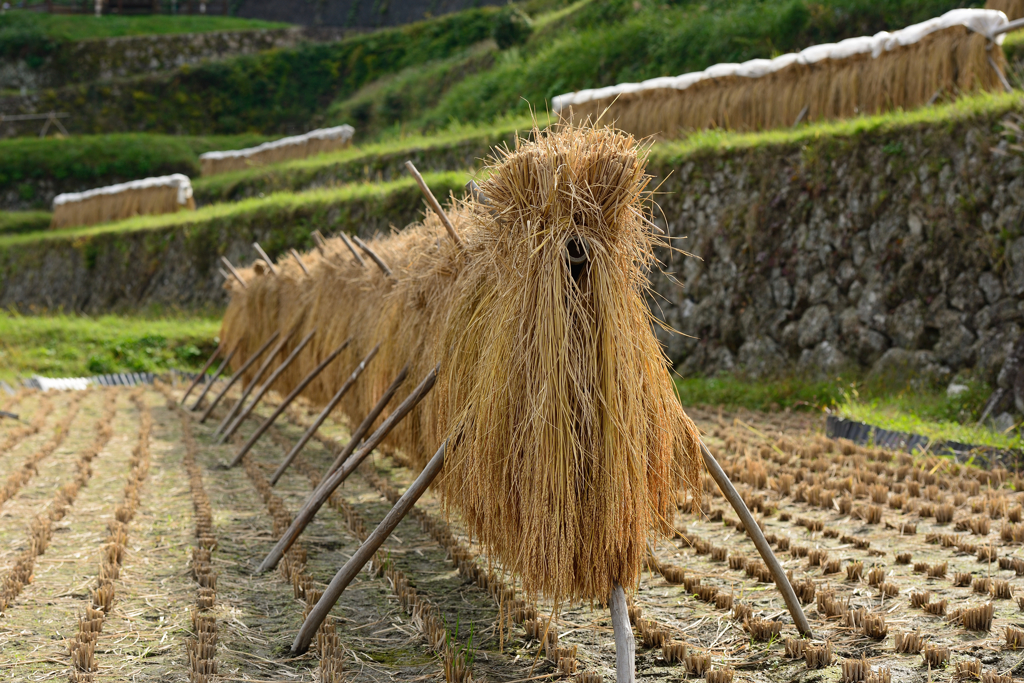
343,133
984,21
178,180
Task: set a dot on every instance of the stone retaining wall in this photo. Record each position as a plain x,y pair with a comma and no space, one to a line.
895,250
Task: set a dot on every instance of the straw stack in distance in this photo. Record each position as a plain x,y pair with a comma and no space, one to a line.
567,444
162,194
315,142
948,55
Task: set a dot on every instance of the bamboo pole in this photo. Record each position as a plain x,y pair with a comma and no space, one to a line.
365,552
297,448
435,205
364,426
373,255
231,269
264,365
202,373
754,531
298,259
216,376
348,243
625,643
242,414
287,401
318,240
235,377
263,255
327,487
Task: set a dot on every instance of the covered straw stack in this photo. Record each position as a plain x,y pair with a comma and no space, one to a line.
949,55
312,143
163,194
567,444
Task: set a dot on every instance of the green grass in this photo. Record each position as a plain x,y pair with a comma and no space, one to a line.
359,162
97,160
77,346
919,410
17,222
277,202
917,415
74,27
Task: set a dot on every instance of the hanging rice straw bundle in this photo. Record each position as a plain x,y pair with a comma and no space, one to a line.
949,55
1013,9
163,194
567,444
319,141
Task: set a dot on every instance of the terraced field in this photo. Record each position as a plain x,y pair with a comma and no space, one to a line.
128,551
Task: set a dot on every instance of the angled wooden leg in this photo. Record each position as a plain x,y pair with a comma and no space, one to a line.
301,443
238,375
364,426
323,492
264,366
240,418
366,550
216,376
625,643
202,373
287,401
765,550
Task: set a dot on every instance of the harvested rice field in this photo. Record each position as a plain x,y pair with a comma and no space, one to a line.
128,552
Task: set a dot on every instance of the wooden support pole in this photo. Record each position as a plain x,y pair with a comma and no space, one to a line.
373,255
202,373
625,643
216,376
231,269
318,240
323,492
301,443
364,426
365,552
263,255
348,243
263,367
242,414
754,531
298,260
435,205
238,375
287,401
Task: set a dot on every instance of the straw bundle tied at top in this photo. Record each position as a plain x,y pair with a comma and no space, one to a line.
567,444
161,194
951,54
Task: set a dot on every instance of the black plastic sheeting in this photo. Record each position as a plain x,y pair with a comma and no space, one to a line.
865,434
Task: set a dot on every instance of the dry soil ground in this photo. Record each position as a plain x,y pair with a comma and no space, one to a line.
128,552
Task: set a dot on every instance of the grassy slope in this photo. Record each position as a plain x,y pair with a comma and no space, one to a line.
456,147
17,222
75,27
105,159
281,202
74,346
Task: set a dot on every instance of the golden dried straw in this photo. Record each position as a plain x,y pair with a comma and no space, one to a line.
567,444
951,61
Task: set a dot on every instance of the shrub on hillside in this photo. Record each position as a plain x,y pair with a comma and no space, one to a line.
511,28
